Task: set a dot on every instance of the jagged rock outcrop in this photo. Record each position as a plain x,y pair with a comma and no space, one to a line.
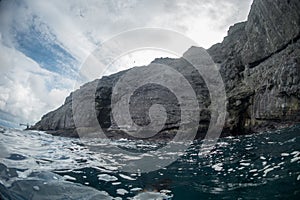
259,62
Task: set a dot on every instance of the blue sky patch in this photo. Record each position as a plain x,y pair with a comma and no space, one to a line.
44,49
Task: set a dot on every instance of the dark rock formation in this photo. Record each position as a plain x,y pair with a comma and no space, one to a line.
259,62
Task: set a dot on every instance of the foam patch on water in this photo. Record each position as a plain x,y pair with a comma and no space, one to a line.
36,188
122,191
136,189
67,177
217,167
296,156
296,153
245,164
285,154
165,191
107,178
266,171
127,177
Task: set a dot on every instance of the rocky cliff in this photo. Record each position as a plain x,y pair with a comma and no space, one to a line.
259,62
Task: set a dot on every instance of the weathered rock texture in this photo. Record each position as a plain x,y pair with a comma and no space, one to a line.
259,62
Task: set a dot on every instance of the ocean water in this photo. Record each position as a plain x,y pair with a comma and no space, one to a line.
35,165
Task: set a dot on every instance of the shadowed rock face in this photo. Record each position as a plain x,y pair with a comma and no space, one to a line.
259,62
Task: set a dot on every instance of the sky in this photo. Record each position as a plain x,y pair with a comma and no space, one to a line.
43,44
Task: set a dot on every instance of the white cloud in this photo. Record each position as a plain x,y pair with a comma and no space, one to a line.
81,25
23,86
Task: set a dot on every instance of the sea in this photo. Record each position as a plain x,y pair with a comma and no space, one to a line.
36,165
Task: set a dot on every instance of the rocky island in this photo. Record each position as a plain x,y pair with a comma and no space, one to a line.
259,62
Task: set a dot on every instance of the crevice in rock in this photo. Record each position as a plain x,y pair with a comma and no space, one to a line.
256,63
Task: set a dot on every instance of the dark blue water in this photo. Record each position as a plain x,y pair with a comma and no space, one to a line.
35,165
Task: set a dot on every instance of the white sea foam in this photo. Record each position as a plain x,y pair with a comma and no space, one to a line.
67,177
106,177
127,177
217,167
122,191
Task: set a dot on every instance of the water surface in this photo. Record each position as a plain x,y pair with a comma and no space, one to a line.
35,165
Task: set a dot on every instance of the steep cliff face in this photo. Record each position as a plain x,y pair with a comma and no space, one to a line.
271,26
259,62
260,65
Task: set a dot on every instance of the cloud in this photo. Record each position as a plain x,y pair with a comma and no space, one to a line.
24,91
80,25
